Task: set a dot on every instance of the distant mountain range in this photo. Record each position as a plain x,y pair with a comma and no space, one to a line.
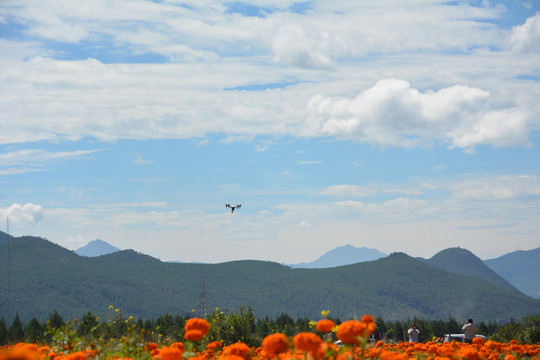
96,248
521,268
517,270
343,255
44,277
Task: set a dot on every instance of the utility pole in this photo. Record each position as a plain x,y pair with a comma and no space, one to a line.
8,268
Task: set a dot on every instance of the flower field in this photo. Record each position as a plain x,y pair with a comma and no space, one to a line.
353,335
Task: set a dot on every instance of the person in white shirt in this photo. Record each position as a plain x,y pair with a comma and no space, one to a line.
414,333
469,330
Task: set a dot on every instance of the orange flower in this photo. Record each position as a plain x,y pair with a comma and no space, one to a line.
469,353
213,346
367,319
169,353
21,351
308,342
274,344
194,335
478,341
79,355
230,357
196,329
350,332
179,346
238,349
325,325
197,324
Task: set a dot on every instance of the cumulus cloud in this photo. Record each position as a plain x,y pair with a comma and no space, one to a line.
526,38
306,46
391,113
26,213
73,99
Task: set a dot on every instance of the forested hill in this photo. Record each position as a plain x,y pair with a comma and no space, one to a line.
464,262
44,277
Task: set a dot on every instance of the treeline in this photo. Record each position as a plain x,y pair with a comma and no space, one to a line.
231,327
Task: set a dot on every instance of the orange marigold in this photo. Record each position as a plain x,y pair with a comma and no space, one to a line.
325,325
238,349
21,351
351,331
79,355
194,335
214,345
367,319
308,342
179,345
478,341
274,344
169,353
230,357
197,324
470,354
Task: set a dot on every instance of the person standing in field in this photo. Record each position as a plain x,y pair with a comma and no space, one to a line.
469,330
414,333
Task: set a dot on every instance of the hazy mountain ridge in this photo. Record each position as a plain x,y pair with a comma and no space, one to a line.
343,255
96,248
395,287
521,268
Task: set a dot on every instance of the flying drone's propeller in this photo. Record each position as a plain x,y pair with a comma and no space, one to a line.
237,206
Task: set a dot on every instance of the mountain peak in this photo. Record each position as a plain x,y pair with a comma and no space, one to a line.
96,248
343,255
461,261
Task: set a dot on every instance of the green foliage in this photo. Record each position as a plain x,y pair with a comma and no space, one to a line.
527,331
34,331
128,342
3,332
15,332
125,337
55,320
231,327
88,325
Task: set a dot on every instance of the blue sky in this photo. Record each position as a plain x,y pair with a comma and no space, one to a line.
398,125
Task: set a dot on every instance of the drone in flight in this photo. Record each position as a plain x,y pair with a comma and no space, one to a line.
232,207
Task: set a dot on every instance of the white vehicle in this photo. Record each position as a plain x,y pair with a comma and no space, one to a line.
459,337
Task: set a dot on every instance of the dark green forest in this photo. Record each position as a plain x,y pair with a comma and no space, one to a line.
43,277
231,327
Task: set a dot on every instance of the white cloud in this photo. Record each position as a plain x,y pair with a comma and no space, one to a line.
306,46
30,160
526,38
28,213
391,113
87,98
141,161
497,188
349,191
